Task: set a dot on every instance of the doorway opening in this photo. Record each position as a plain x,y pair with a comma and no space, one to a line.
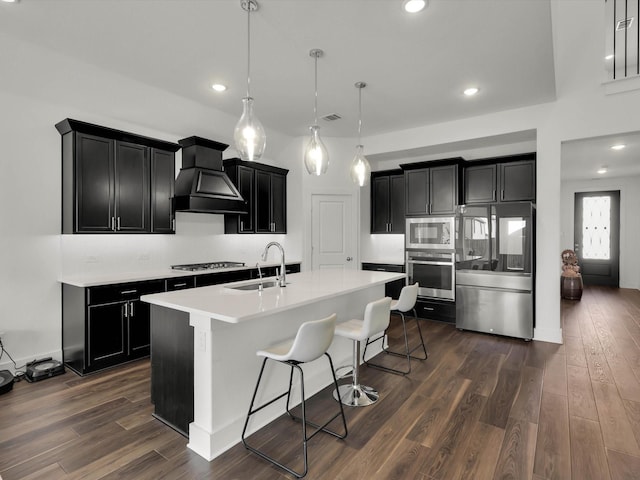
597,237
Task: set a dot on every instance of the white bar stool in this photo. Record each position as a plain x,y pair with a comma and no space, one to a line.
376,320
310,343
405,303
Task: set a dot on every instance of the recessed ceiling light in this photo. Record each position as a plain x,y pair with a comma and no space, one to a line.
218,87
469,92
618,147
602,170
414,6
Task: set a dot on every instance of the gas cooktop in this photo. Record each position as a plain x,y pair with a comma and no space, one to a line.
194,267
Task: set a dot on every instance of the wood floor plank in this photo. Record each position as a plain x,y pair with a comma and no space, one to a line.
553,452
617,431
581,400
633,415
588,458
405,461
516,457
623,466
527,403
555,375
575,351
479,459
498,406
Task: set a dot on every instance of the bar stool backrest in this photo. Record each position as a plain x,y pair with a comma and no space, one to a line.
376,316
408,297
313,339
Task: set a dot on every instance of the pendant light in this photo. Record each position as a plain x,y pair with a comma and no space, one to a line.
249,135
316,157
360,168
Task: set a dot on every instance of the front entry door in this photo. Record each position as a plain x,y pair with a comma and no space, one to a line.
332,232
597,237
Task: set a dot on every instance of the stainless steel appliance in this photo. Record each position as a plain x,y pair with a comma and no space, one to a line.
430,233
434,270
195,267
495,269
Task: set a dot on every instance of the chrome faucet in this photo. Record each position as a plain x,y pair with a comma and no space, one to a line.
281,278
259,276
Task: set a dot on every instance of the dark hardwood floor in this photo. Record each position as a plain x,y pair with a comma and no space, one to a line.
481,407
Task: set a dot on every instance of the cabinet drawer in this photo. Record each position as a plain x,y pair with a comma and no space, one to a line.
383,267
123,291
222,277
180,283
436,310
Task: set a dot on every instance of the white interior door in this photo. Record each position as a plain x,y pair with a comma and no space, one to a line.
333,232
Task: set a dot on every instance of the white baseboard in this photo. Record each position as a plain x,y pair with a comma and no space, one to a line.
7,364
551,335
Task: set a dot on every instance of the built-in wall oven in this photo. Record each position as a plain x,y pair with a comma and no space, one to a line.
434,270
430,256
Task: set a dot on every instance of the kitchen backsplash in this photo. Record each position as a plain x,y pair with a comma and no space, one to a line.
198,238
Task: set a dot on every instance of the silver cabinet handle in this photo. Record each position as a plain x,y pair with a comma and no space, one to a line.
112,224
242,225
125,312
180,285
125,292
173,224
118,224
131,309
428,308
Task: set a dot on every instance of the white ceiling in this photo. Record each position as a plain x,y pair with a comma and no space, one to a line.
416,66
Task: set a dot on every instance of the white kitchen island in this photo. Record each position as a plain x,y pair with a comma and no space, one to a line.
213,333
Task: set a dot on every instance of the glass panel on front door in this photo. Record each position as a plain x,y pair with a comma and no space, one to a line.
596,231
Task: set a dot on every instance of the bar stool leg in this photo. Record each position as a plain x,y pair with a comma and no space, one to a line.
354,394
407,353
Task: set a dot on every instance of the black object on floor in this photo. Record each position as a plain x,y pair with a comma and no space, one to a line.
6,381
41,369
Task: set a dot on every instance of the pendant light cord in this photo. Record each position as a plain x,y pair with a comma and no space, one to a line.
249,49
360,115
315,104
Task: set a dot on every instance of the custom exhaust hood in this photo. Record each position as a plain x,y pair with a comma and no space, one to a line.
201,185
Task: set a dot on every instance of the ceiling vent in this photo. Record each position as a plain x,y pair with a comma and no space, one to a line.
331,117
624,24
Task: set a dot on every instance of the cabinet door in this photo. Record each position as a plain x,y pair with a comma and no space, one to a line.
380,204
517,181
95,191
278,203
163,178
262,206
480,184
138,329
417,192
106,343
443,187
246,179
132,187
396,206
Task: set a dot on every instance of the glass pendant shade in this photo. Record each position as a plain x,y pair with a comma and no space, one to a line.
360,168
249,135
316,157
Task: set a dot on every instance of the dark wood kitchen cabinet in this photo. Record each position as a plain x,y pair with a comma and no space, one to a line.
264,189
387,201
105,325
506,179
391,289
114,181
433,189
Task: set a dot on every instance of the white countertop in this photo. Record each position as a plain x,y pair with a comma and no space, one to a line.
234,306
93,279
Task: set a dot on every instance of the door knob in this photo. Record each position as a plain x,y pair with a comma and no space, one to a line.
349,259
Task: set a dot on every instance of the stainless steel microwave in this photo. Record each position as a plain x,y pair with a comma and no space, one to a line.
433,233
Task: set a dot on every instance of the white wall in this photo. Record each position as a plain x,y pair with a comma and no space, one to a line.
629,221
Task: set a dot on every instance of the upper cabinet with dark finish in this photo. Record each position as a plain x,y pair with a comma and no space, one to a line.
264,188
114,181
387,201
431,188
504,179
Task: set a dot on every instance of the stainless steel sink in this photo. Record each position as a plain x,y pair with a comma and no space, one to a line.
254,286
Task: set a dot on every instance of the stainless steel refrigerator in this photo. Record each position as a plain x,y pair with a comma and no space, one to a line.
495,263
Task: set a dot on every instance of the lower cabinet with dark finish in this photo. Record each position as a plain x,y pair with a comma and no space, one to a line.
434,309
105,325
391,289
172,368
